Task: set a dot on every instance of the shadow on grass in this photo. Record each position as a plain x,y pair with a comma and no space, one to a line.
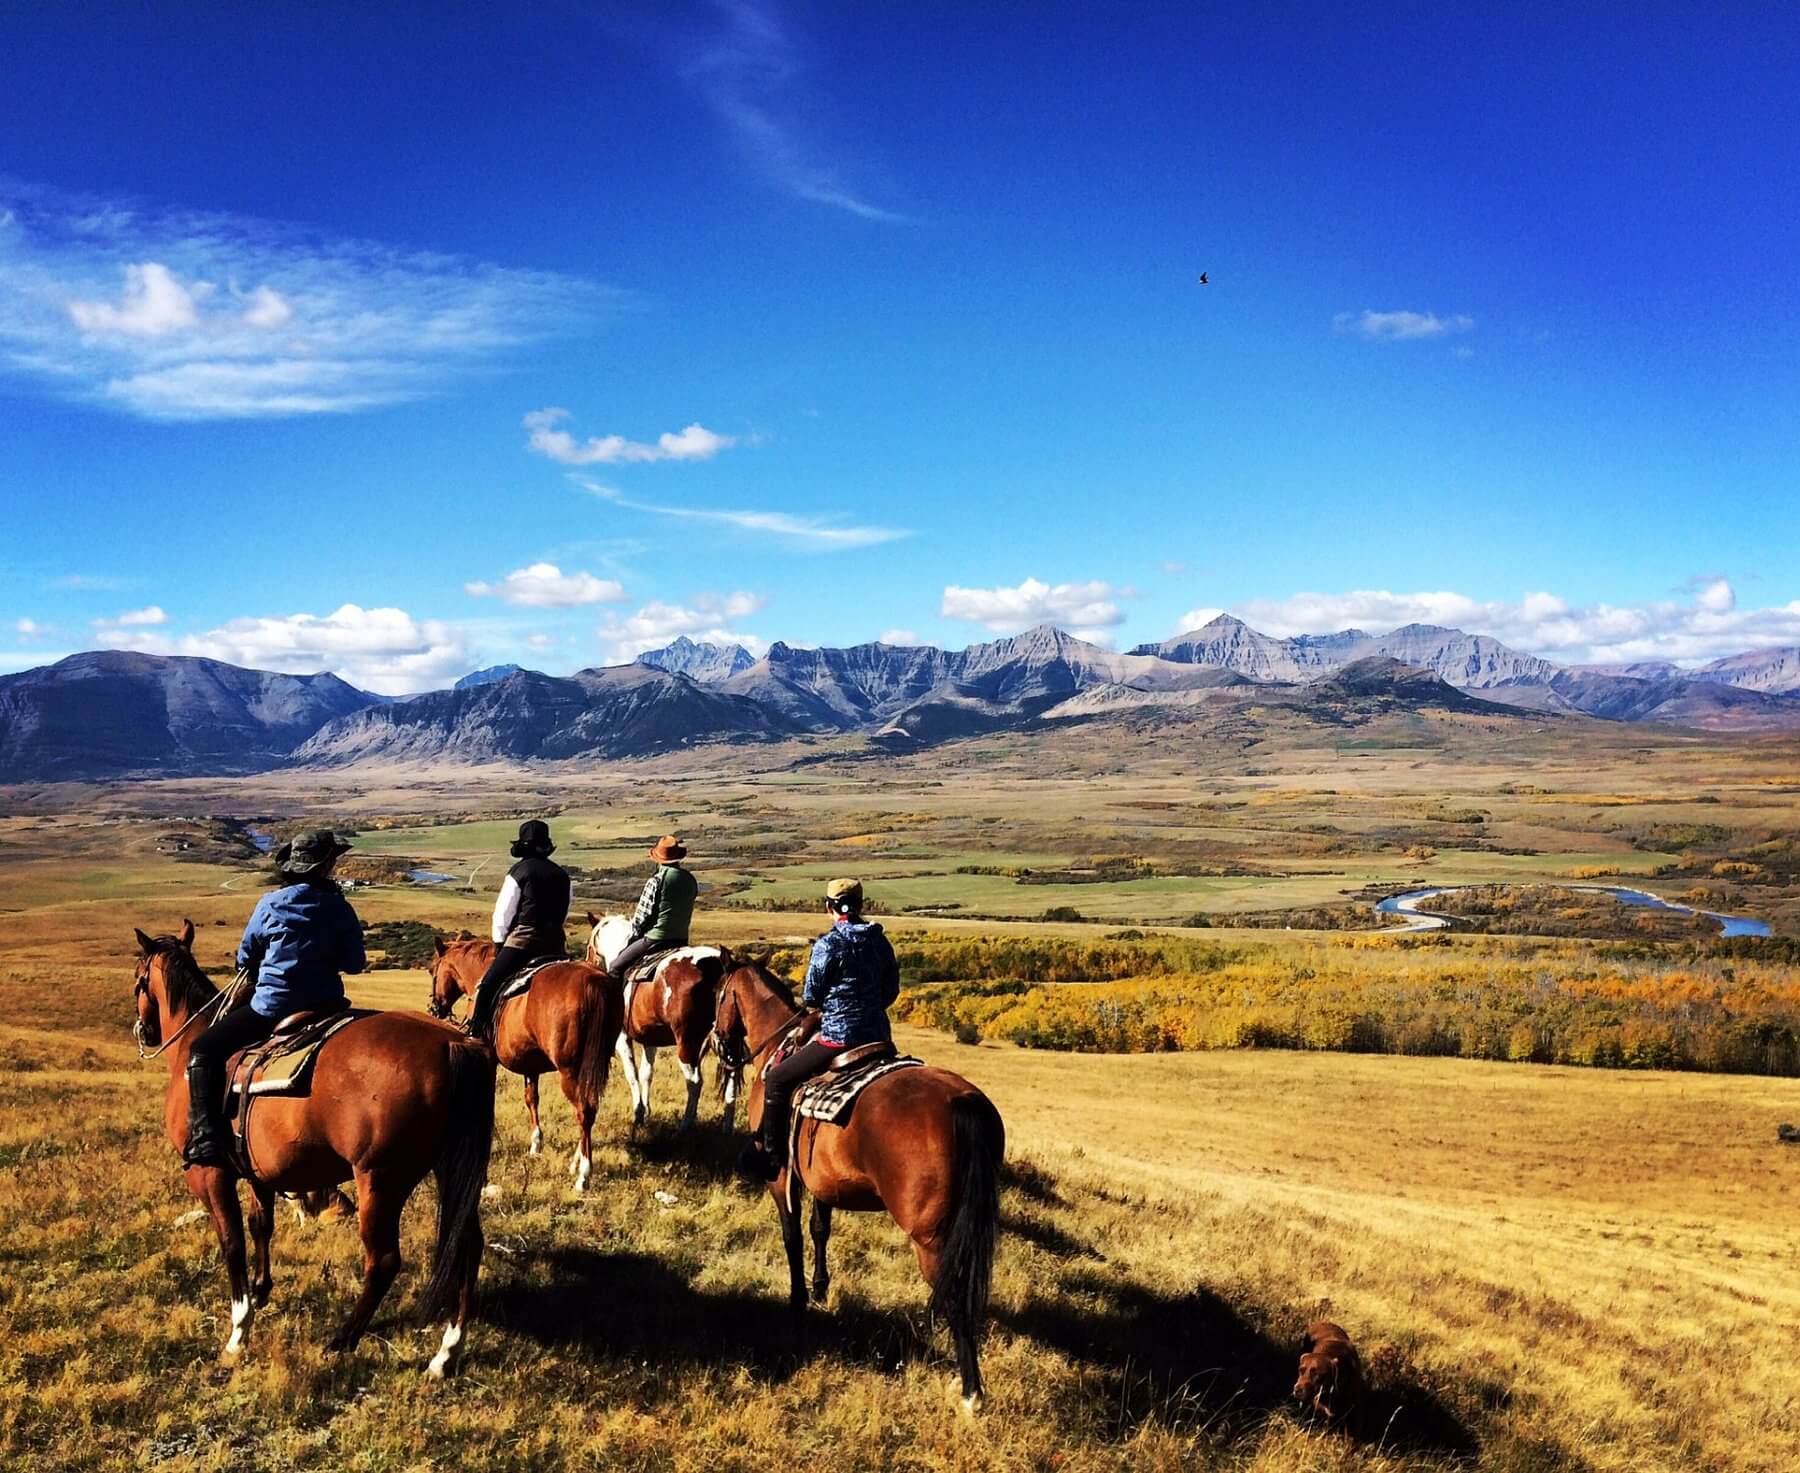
1193,1362
573,1296
704,1147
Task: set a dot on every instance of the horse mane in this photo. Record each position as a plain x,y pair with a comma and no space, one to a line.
188,987
777,984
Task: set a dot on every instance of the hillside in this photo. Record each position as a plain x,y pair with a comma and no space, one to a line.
621,711
112,713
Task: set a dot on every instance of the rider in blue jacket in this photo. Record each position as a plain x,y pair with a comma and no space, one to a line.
299,941
852,980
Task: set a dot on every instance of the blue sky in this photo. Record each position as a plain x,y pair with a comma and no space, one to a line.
398,340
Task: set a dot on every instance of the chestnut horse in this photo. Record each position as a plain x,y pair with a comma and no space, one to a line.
922,1143
567,1020
676,1011
394,1096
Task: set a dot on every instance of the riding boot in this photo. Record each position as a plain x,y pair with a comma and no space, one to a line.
775,1135
481,1014
206,1127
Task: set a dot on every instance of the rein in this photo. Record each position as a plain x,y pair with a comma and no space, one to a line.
749,1054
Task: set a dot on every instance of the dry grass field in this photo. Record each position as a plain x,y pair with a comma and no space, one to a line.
1547,1267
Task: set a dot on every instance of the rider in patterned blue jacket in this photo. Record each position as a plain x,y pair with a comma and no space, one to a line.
852,980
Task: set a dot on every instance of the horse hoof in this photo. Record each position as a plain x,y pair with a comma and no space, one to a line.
971,1405
537,1143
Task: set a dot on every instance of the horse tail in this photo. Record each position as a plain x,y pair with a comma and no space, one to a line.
461,1167
596,1011
966,1264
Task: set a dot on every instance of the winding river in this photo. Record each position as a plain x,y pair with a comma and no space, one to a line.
1407,907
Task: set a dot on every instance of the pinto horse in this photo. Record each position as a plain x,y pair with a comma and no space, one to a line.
567,1020
676,1011
922,1143
394,1096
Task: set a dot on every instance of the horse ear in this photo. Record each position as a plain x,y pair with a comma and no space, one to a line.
187,933
593,920
145,945
437,946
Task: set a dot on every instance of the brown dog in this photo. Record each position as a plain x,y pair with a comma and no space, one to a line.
1331,1377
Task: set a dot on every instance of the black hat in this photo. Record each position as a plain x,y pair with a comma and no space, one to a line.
310,851
534,838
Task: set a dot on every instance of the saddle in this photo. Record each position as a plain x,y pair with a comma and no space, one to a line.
831,1096
520,981
280,1065
648,966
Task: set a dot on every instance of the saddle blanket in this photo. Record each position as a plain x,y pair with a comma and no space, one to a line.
653,964
831,1095
284,1064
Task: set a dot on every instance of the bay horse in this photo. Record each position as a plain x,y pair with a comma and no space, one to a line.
568,1022
394,1096
677,1011
921,1143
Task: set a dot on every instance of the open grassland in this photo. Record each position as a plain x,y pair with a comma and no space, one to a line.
1547,1267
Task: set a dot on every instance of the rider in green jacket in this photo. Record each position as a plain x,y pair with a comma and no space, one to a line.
665,910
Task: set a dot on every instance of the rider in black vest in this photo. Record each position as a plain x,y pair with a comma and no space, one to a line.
528,919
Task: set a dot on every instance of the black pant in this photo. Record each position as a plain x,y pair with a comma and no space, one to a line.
508,962
237,1029
811,1058
634,952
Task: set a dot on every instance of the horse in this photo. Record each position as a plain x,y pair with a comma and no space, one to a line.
922,1143
677,1010
567,1020
394,1096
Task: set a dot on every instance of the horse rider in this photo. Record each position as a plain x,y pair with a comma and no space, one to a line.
528,919
299,941
852,980
664,911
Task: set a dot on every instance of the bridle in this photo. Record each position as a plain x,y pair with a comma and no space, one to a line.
432,1006
142,989
739,1056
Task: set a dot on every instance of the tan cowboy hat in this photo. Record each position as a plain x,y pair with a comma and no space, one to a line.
667,849
845,893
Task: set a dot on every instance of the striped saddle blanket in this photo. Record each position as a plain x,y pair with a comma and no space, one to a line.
283,1065
831,1096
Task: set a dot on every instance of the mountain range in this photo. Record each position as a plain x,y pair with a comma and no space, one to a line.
110,714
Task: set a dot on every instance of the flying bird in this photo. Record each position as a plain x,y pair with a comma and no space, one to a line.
1203,280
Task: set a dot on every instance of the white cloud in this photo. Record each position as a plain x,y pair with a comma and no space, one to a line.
384,650
138,618
29,629
706,617
268,309
696,442
1400,326
1088,606
903,637
805,532
749,71
546,586
1198,619
1691,631
540,641
115,303
155,302
102,582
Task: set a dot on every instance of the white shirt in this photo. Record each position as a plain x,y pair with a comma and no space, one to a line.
506,910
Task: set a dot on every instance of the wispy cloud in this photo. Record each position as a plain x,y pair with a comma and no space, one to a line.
546,586
812,533
146,618
1395,327
696,442
183,315
707,617
1704,626
750,70
92,582
1079,607
384,650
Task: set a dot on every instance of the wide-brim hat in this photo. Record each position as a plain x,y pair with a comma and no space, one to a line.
667,849
845,892
534,838
310,851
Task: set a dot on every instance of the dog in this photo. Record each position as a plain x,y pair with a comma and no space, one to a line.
1331,1376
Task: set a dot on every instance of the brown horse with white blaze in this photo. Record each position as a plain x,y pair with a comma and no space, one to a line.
676,1011
922,1144
394,1096
567,1021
